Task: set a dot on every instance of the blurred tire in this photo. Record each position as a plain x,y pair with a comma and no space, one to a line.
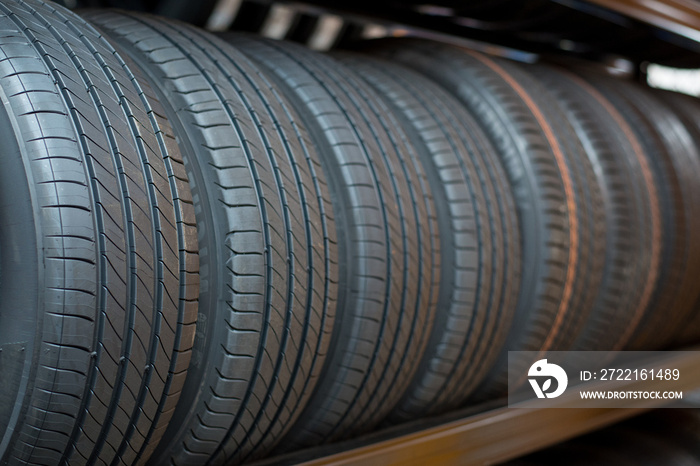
479,237
687,109
630,201
556,194
674,160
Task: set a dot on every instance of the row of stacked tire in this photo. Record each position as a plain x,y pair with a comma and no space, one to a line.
217,248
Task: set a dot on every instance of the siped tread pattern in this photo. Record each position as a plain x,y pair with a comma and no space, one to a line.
632,212
265,214
117,222
480,240
555,189
232,246
389,242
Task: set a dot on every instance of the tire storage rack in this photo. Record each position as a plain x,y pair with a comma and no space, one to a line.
223,249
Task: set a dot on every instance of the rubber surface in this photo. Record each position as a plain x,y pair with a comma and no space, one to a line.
265,222
687,109
673,158
555,190
630,200
684,155
479,237
116,286
388,242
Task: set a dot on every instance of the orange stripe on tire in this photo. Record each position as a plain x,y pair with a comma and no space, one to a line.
655,209
568,191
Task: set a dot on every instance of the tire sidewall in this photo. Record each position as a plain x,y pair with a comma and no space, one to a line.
21,279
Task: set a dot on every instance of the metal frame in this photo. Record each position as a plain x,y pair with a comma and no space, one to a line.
680,17
655,31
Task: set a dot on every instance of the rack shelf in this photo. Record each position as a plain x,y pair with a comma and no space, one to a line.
680,17
491,433
653,31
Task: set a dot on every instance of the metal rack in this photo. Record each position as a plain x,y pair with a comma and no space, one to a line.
681,17
653,31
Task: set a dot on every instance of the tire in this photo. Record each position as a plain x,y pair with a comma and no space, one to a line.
684,154
631,204
669,150
479,237
267,236
99,263
388,242
687,109
555,191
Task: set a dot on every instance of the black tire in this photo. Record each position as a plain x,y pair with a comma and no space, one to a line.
388,242
479,237
667,321
687,109
630,199
555,190
267,236
96,206
674,160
